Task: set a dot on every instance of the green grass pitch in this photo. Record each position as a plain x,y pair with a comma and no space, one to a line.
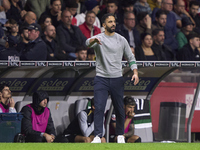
101,146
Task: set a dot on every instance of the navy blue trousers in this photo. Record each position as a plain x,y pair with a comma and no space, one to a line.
102,88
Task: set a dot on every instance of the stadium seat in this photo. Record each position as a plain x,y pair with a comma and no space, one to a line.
20,104
60,115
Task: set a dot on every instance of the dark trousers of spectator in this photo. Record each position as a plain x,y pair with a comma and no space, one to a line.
102,88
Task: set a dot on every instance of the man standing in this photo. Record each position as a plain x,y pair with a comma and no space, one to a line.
37,124
109,49
7,104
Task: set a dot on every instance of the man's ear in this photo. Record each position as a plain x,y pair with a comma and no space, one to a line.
104,25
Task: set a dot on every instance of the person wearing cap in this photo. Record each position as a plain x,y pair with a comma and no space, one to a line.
88,28
91,5
70,36
36,49
190,52
144,23
187,27
54,12
129,106
7,104
37,123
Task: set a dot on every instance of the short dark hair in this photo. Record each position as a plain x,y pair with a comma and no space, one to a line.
128,100
143,35
72,4
103,19
2,86
196,3
112,1
90,12
160,12
192,35
78,49
156,31
51,2
127,13
12,21
141,16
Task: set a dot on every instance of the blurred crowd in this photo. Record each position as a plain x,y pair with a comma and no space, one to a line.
47,30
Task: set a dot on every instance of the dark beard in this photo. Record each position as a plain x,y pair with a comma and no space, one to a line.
110,30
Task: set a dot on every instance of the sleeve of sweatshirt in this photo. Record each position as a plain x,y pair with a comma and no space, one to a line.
129,55
27,123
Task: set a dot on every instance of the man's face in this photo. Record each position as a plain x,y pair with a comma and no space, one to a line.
43,103
90,19
96,9
25,34
6,93
159,38
167,5
31,19
56,6
111,8
195,42
162,20
189,28
110,24
14,28
180,6
66,18
51,32
82,55
130,21
33,34
129,109
73,11
194,10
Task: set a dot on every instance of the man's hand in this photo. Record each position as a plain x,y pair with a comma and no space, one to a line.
135,76
59,16
95,40
148,22
12,102
49,138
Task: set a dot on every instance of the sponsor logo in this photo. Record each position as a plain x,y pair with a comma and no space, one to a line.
69,64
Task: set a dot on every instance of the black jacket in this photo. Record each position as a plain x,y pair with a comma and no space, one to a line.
124,32
27,112
139,54
36,50
68,41
186,53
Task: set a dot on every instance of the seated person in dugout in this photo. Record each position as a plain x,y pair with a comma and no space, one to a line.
129,106
37,124
7,103
82,127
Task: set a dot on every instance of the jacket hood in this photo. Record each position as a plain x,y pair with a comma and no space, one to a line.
37,98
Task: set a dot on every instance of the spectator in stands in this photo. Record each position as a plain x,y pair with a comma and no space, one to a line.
7,104
54,51
54,13
161,19
154,4
37,6
29,18
91,54
142,6
187,27
37,123
189,52
193,11
91,5
13,37
145,51
44,21
88,28
129,31
36,49
16,11
170,26
21,46
158,44
4,6
180,12
129,106
70,36
144,23
111,7
81,53
82,127
72,7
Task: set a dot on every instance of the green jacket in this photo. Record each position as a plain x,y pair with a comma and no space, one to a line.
181,38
